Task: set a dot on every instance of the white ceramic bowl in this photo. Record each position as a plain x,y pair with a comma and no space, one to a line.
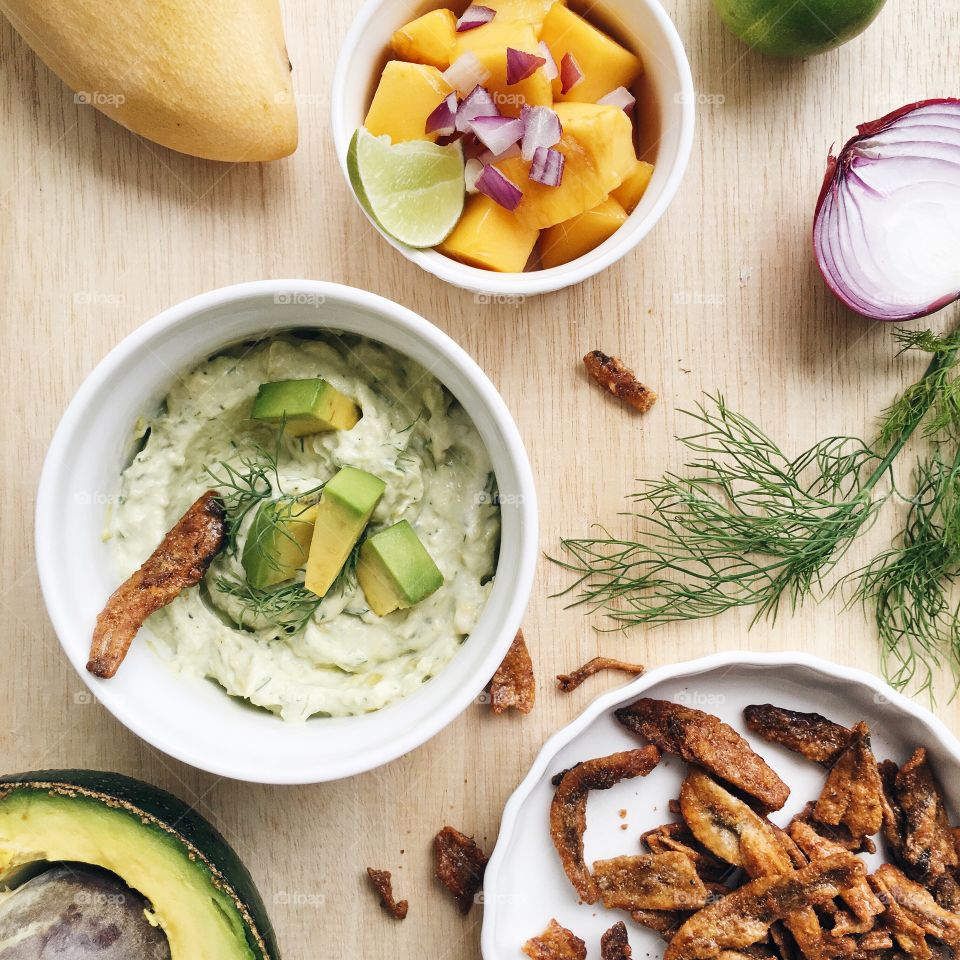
665,105
192,719
524,885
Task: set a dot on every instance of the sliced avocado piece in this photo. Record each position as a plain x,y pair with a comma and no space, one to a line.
395,570
278,542
305,406
343,513
201,895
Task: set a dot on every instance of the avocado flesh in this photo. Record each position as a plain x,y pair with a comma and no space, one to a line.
395,570
345,508
200,921
278,542
305,407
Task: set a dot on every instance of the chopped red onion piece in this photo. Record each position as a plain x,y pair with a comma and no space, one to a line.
478,103
471,173
541,128
442,120
466,73
521,65
887,226
547,167
493,184
622,98
475,16
570,73
549,64
512,151
497,133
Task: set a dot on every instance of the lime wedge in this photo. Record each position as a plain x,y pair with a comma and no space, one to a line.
413,190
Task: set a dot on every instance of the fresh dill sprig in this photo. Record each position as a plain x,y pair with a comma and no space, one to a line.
242,486
746,525
289,606
909,586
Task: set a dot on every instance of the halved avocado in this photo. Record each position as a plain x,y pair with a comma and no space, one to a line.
201,895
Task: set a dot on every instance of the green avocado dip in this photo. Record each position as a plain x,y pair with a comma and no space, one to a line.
284,648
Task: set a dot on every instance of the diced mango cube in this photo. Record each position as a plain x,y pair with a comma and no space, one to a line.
597,145
489,236
604,63
579,235
489,44
428,39
407,94
631,191
528,11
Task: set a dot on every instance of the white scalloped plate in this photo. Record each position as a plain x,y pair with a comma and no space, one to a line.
525,885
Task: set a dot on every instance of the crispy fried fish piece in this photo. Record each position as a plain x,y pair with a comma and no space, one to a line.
383,883
926,850
852,794
568,811
727,827
679,838
615,944
459,865
179,562
838,834
513,684
917,903
809,734
745,916
659,881
568,682
620,380
556,943
703,739
664,922
864,905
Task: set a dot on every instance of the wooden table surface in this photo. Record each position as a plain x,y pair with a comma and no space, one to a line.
102,230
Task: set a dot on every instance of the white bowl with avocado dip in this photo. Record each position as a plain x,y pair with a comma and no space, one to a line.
417,475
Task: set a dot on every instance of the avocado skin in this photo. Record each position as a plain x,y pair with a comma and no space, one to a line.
175,816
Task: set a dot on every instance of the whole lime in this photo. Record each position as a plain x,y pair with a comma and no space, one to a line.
797,28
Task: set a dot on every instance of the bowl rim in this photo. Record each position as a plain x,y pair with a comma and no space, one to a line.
668,672
537,281
182,314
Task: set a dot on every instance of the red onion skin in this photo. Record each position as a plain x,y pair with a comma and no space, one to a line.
866,130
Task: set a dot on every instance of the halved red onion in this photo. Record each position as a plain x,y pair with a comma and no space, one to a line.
512,151
521,65
541,128
500,189
621,97
471,173
497,133
442,120
475,16
477,103
547,167
550,70
886,232
570,73
466,73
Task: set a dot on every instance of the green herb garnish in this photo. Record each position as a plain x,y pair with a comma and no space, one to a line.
745,525
289,606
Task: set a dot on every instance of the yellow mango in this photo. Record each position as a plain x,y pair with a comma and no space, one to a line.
489,236
407,94
604,63
428,39
579,235
631,191
527,11
597,145
489,44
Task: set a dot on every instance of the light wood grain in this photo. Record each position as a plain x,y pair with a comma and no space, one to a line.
102,230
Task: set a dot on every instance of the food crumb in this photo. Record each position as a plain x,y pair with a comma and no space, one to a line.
623,814
624,826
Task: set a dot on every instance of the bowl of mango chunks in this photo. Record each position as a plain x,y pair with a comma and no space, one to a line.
513,147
